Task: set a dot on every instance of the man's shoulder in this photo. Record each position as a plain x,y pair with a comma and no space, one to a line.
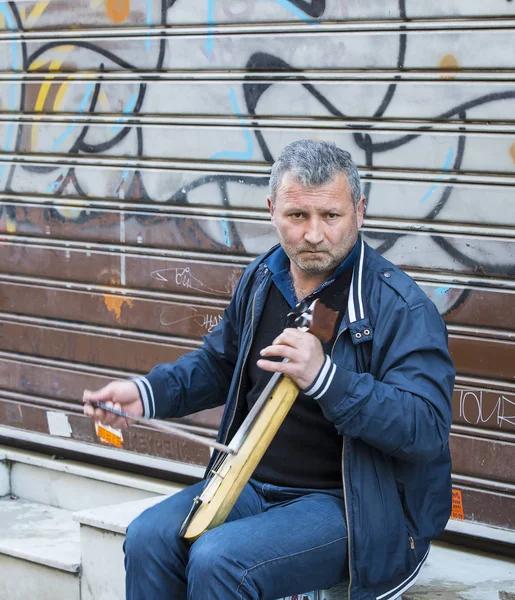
386,279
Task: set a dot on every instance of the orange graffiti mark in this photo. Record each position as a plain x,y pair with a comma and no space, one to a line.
118,10
457,506
512,151
449,63
114,304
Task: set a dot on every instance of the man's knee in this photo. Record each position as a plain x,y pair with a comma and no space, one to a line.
211,558
149,535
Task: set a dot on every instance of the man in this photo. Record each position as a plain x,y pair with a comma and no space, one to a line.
357,480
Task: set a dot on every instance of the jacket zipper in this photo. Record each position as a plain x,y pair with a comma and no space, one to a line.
243,365
344,490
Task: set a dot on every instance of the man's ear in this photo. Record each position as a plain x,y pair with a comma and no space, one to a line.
271,209
360,210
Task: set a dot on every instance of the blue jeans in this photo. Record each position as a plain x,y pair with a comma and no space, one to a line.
276,542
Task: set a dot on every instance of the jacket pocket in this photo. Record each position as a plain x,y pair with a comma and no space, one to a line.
384,547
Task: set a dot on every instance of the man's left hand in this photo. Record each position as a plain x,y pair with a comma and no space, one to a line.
303,351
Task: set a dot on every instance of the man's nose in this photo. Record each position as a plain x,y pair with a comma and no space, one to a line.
314,233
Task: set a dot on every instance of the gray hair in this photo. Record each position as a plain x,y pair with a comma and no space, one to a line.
314,164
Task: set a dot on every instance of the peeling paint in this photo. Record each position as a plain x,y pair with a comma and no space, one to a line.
114,304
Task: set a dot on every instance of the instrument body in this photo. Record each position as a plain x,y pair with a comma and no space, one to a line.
227,480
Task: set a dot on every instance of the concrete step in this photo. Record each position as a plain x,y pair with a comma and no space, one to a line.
453,573
72,485
450,573
39,552
102,531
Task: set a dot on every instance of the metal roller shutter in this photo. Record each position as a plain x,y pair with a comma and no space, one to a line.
136,139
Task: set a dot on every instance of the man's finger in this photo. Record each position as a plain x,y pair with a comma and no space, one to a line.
280,350
104,394
269,365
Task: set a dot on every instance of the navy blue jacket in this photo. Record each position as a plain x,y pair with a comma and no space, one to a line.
387,388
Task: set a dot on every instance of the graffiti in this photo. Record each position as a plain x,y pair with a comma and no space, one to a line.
246,101
205,321
185,278
475,411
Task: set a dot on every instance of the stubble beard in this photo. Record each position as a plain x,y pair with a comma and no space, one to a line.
324,260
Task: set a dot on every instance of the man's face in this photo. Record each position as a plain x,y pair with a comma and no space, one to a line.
317,227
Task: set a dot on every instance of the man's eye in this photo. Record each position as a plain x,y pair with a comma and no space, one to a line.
297,215
331,215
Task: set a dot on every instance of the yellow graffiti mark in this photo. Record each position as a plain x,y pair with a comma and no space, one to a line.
70,213
449,63
2,22
59,97
103,100
512,151
118,10
109,277
38,63
114,304
55,65
41,62
38,10
23,12
95,3
10,225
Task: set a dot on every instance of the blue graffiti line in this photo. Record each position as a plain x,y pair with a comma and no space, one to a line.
123,179
227,235
446,167
127,110
442,290
297,11
53,186
70,129
12,92
149,21
7,15
211,23
248,154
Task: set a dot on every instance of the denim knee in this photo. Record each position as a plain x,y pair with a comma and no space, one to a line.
148,537
214,563
136,540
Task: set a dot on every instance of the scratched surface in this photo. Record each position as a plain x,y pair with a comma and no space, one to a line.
133,179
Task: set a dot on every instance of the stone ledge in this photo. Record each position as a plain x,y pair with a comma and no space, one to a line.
116,517
39,534
103,474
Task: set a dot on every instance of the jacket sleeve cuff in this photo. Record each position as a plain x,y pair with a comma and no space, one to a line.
147,396
322,381
330,388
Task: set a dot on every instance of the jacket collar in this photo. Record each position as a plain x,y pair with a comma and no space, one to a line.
357,309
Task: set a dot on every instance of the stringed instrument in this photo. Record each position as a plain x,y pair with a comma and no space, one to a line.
230,473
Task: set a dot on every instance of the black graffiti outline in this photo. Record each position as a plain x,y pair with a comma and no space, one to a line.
80,144
363,140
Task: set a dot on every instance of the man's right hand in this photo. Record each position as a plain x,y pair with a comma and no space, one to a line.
121,395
